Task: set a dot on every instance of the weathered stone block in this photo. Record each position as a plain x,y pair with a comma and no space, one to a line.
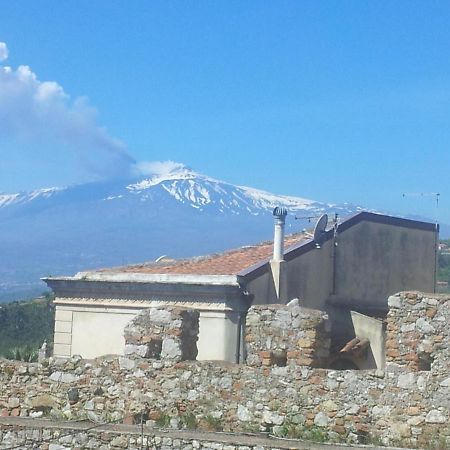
303,336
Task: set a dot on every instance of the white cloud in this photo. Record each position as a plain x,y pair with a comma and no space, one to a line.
3,51
40,110
159,168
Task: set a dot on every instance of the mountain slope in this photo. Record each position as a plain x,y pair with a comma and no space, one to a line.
180,213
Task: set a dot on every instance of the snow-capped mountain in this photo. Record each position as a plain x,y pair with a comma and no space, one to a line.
25,197
183,185
180,213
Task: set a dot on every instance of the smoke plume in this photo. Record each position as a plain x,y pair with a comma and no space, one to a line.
37,110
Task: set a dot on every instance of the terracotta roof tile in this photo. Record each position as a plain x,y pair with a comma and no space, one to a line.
227,263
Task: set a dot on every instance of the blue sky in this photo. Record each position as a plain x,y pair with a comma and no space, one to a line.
330,100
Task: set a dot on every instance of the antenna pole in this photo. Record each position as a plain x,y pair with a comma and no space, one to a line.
426,194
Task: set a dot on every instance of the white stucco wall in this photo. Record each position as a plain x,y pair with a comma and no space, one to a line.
217,336
96,331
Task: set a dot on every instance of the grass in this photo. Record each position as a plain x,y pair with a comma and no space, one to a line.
25,353
189,421
163,421
214,423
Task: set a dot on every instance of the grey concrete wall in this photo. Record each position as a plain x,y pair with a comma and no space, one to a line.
309,278
373,261
377,260
263,290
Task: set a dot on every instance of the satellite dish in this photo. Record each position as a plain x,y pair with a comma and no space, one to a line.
321,224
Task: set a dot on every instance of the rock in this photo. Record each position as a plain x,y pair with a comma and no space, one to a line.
94,417
352,409
415,421
160,316
293,303
421,383
120,442
73,395
424,326
192,395
380,411
44,401
282,319
15,412
126,363
89,405
394,301
401,430
243,414
13,402
272,418
435,416
63,377
321,419
445,383
170,349
98,391
57,447
22,370
140,350
406,380
329,405
408,327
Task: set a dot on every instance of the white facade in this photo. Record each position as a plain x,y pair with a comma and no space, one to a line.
92,323
96,331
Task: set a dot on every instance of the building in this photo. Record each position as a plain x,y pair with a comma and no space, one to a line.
348,270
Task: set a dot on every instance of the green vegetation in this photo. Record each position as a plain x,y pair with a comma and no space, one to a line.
189,421
295,431
444,263
26,353
24,326
163,421
213,423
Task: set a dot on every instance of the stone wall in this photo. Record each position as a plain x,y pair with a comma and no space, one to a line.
418,332
24,434
286,334
168,334
399,405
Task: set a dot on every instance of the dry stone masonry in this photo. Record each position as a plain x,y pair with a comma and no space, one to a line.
418,332
402,405
280,335
168,334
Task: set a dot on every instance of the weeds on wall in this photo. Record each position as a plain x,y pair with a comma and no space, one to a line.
25,353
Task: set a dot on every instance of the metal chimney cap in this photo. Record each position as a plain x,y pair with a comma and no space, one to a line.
279,211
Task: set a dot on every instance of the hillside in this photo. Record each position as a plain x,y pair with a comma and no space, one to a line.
26,324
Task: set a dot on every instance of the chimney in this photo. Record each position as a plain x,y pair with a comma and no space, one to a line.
278,264
279,214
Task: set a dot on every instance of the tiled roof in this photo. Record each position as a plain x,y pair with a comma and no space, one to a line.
227,263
